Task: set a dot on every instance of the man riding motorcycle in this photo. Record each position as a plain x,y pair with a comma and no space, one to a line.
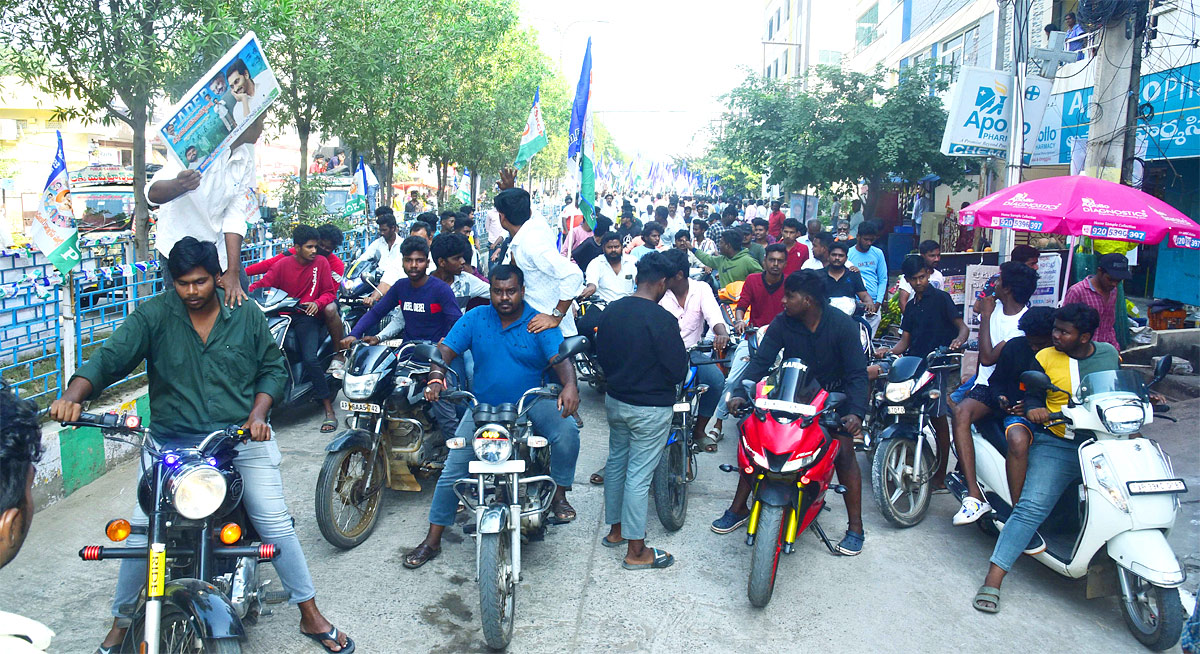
828,342
222,368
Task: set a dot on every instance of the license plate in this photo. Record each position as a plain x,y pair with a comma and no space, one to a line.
360,407
682,407
478,467
1157,486
894,409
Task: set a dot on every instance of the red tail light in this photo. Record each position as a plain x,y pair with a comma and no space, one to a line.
266,552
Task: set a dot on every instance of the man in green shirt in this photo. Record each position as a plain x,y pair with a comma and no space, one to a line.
209,366
734,263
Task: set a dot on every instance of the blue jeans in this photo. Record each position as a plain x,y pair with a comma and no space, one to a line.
710,375
1053,467
636,437
547,421
961,392
741,359
258,463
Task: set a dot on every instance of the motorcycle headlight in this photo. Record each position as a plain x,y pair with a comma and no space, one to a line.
360,387
899,391
492,443
1109,483
804,461
197,490
1123,418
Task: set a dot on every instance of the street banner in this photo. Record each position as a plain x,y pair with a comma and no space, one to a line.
220,106
580,140
533,138
977,125
1037,98
54,230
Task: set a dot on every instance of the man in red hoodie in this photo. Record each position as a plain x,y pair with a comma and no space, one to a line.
306,277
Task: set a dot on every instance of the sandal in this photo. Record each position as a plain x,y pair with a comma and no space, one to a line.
562,510
597,477
987,594
662,559
329,425
608,543
331,635
708,442
420,555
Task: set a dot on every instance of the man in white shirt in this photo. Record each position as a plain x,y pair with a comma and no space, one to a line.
856,217
213,206
385,249
931,252
449,252
612,276
250,92
551,280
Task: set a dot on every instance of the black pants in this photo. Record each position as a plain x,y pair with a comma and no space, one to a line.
308,339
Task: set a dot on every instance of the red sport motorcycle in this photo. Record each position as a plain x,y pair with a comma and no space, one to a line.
787,449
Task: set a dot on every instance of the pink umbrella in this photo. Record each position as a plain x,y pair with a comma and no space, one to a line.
1083,206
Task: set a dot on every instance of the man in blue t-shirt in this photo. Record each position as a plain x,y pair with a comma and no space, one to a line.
510,359
872,266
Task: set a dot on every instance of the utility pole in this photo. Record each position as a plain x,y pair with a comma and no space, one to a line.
1129,148
1016,121
1113,108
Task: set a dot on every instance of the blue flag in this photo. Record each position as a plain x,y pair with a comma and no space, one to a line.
580,106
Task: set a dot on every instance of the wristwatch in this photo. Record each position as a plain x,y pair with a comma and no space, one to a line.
557,314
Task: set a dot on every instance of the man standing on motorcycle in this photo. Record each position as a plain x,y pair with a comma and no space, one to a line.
1015,286
643,357
509,360
1053,458
827,341
930,321
209,366
306,277
386,249
761,300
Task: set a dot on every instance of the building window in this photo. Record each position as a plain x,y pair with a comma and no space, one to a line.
866,30
770,29
785,63
962,50
777,20
787,10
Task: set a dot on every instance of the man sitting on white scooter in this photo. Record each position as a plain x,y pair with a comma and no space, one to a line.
1017,357
1053,459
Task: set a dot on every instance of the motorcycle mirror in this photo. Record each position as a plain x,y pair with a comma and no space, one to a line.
1037,381
571,346
1162,369
428,352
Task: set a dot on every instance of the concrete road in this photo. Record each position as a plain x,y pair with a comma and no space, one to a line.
910,590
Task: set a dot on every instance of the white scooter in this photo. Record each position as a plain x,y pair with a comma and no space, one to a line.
1125,505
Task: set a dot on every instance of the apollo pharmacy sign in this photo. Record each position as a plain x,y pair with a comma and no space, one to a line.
980,110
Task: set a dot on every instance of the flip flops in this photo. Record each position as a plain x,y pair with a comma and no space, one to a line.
420,555
331,423
608,543
332,635
662,559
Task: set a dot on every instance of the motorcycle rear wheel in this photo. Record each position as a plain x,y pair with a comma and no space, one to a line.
497,590
764,560
347,509
902,502
1154,615
670,485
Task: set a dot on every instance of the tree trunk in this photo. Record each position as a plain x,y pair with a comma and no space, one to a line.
303,129
141,208
874,188
388,166
475,182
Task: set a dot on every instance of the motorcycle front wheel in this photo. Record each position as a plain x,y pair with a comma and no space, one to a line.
497,589
902,500
670,485
1153,614
764,560
178,635
348,499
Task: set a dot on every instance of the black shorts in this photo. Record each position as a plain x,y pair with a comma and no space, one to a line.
983,394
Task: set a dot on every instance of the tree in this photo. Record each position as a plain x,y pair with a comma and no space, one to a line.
112,58
847,128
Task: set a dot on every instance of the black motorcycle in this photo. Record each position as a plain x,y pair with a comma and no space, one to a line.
387,436
279,307
900,430
360,280
587,365
203,581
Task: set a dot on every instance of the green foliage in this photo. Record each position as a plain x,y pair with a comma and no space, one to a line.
846,127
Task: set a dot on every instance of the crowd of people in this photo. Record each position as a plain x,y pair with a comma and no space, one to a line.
660,272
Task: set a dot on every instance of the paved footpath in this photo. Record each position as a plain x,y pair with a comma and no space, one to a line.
910,590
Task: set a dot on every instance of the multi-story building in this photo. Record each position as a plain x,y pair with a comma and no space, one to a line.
786,52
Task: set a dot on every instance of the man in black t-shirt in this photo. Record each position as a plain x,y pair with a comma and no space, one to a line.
1018,355
643,358
930,321
840,281
591,248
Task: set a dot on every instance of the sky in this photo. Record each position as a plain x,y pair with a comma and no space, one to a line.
659,67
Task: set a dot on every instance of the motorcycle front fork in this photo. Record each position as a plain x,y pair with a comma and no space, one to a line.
791,517
513,526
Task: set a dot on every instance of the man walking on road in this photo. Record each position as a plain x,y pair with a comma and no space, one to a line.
643,358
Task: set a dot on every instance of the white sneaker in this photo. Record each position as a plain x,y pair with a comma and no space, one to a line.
972,510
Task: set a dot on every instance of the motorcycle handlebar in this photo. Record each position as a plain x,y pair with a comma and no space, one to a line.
124,422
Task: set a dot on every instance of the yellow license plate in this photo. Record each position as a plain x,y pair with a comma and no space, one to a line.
361,407
158,570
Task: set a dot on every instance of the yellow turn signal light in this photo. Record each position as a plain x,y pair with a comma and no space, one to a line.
231,533
118,530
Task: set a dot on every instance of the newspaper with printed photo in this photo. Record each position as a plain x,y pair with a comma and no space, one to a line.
220,106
